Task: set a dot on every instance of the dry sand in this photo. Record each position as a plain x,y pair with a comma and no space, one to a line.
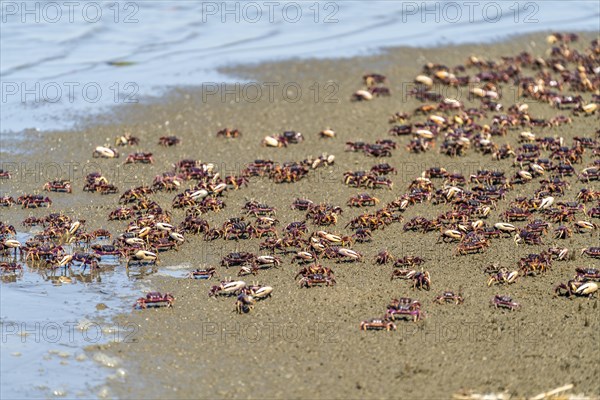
305,343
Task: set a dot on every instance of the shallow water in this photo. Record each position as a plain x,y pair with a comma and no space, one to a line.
60,61
45,327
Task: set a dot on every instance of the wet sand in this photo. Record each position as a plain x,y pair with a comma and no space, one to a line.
305,343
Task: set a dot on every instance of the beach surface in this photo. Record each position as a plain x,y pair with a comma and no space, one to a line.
306,343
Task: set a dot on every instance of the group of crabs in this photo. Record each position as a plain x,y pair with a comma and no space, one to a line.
472,199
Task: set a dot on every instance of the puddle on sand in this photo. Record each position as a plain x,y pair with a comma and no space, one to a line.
176,271
46,322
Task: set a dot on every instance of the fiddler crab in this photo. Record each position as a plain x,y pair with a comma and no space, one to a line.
229,133
58,186
227,288
144,158
576,287
169,141
503,276
378,324
449,297
502,301
250,295
405,307
154,299
205,273
421,279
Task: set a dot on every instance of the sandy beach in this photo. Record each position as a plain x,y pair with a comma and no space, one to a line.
306,343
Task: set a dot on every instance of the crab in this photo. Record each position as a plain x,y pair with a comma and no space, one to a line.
107,250
296,229
343,254
168,182
380,91
588,273
10,268
206,273
584,226
383,169
238,259
472,246
404,307
376,181
400,130
169,140
590,174
362,95
421,280
144,158
289,173
194,225
373,79
378,324
33,221
227,288
502,301
593,252
515,214
576,288
101,234
503,276
142,257
303,257
528,237
234,230
558,253
229,133
263,262
311,280
450,235
126,139
4,174
121,213
314,269
244,303
105,152
302,204
362,235
355,178
292,137
383,257
378,150
356,146
408,261
398,117
58,186
257,209
274,141
259,292
7,201
563,232
534,263
34,201
155,299
84,259
362,199
104,188
449,297
213,234
164,244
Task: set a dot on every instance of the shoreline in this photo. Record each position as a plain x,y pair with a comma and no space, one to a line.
303,336
233,72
